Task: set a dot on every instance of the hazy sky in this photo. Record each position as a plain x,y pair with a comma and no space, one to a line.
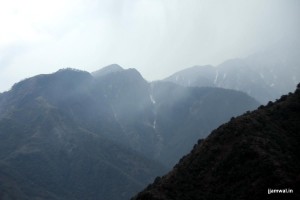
157,37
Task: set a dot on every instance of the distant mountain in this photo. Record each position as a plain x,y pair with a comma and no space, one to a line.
242,159
73,135
264,76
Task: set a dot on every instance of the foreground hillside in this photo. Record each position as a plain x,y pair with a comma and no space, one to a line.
241,159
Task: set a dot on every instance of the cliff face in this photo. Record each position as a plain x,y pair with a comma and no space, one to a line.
241,159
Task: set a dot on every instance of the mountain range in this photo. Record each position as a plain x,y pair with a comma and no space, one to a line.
254,156
105,135
264,76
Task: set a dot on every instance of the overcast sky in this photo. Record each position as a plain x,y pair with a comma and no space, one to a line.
157,37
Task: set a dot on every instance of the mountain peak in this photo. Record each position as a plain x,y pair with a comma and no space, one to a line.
116,74
71,72
107,70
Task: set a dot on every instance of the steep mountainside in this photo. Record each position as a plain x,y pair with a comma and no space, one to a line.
264,76
241,159
51,148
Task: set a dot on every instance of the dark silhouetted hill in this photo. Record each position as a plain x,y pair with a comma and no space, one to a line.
241,159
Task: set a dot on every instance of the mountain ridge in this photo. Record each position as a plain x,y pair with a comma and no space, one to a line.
76,136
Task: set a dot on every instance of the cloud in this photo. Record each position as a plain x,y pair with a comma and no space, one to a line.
158,37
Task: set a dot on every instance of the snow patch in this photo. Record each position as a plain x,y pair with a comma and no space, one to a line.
216,78
261,75
154,124
152,99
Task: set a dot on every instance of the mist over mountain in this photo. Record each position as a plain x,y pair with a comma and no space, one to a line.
73,135
264,75
160,119
241,159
